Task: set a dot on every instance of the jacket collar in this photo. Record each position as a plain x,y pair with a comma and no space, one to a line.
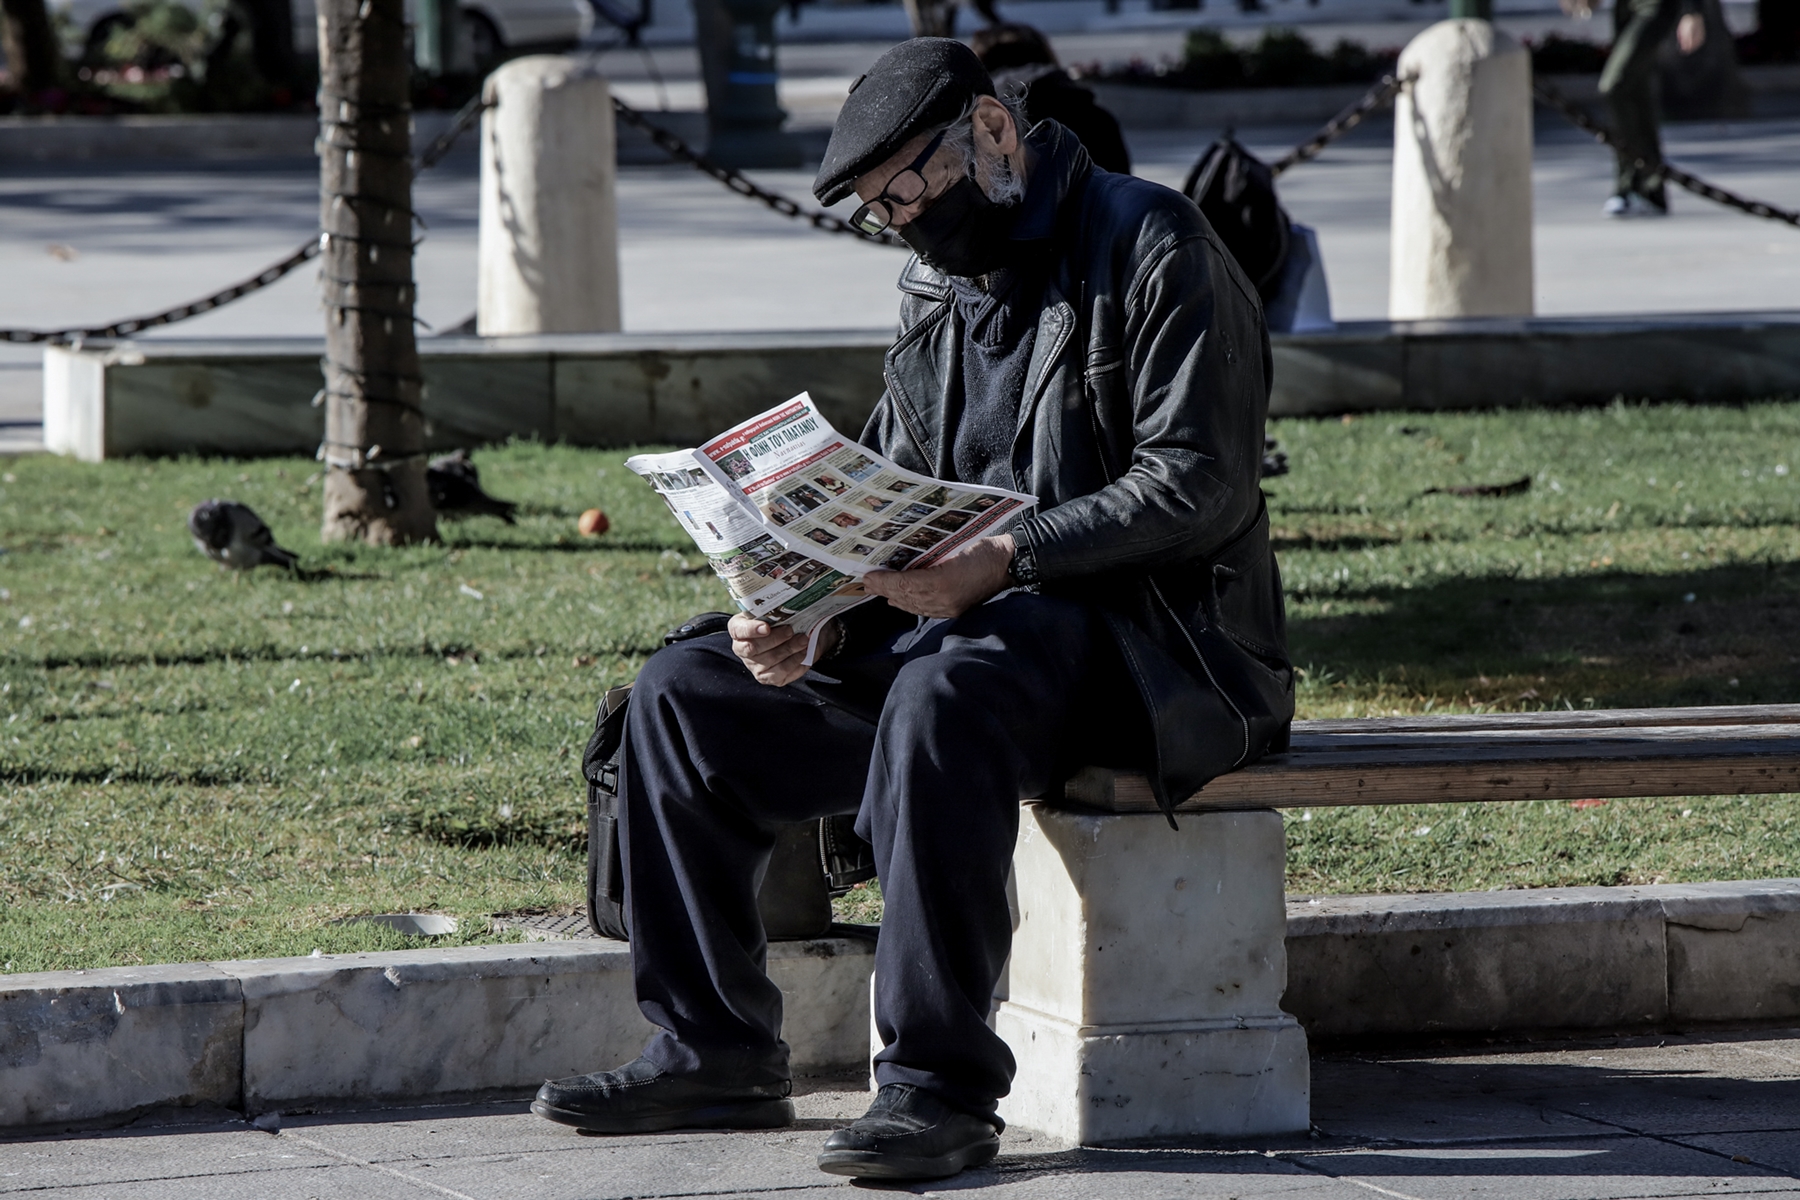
1059,163
917,279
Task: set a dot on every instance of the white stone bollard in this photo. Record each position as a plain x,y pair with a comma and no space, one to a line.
1143,995
548,247
1461,244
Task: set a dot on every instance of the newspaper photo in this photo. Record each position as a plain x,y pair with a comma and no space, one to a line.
792,514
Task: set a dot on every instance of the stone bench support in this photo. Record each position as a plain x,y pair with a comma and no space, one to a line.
1143,995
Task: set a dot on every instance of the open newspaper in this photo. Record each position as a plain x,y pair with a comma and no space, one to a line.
792,514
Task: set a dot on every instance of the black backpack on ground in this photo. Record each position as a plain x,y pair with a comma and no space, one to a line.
1236,191
813,860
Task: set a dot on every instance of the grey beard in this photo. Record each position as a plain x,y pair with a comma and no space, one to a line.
998,181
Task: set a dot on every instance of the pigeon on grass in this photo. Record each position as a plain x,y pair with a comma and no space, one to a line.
1274,459
233,536
455,487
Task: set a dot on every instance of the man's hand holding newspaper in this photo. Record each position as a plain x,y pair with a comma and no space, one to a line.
803,524
776,654
970,576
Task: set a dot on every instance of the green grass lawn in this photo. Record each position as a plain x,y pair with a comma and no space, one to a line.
199,765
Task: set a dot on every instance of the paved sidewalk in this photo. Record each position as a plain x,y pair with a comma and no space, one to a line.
1596,1120
90,243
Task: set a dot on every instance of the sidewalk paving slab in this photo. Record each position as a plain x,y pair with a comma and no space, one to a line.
334,1182
1604,1118
1603,1169
229,1149
1383,1101
1679,1089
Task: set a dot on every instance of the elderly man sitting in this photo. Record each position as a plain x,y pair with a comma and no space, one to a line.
1065,331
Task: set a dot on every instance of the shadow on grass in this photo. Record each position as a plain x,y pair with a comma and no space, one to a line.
334,575
601,544
112,659
1330,545
1723,635
28,776
112,712
556,511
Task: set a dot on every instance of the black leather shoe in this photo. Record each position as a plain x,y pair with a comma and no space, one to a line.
639,1098
909,1134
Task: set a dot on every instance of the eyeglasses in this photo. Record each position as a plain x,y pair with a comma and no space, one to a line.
906,187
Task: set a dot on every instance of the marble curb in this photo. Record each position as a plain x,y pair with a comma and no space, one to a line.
253,396
1556,958
1684,903
106,1046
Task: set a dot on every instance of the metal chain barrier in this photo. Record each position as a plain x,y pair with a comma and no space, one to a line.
306,252
1378,98
255,283
677,149
1693,183
465,116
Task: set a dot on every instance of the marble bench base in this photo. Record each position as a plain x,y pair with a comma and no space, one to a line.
1100,1085
1142,999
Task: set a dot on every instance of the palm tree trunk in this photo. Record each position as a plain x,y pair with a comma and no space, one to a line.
374,430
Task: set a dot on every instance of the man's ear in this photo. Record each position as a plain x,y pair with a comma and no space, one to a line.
995,131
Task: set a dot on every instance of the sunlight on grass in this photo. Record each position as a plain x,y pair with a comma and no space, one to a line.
199,765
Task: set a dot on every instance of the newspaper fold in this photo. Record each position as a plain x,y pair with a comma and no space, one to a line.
792,514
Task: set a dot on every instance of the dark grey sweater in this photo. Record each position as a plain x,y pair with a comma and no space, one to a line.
999,314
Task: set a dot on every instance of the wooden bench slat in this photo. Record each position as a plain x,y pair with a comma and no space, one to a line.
1455,759
1450,783
1508,743
1609,718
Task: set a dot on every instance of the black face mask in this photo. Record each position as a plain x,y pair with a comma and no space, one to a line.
963,232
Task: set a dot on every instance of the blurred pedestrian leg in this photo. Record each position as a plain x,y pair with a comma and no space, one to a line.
1630,84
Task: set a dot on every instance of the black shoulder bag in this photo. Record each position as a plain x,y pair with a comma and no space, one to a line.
1236,191
813,860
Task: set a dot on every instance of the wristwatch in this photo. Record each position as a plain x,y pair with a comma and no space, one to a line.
1023,568
837,647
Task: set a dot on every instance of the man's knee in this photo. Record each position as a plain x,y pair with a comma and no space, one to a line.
679,696
1012,663
694,669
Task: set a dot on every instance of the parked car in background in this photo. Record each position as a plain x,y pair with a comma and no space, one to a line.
493,28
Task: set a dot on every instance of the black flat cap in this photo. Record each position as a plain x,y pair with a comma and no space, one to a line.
919,85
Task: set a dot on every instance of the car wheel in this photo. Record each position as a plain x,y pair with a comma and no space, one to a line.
486,48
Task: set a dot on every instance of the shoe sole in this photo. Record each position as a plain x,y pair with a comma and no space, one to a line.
872,1164
742,1114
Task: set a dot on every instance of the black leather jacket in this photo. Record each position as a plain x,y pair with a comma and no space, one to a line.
1141,434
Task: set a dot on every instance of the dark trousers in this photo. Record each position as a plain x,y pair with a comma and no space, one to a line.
1629,83
932,741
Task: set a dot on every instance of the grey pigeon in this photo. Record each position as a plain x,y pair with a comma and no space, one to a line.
455,487
233,536
1274,459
